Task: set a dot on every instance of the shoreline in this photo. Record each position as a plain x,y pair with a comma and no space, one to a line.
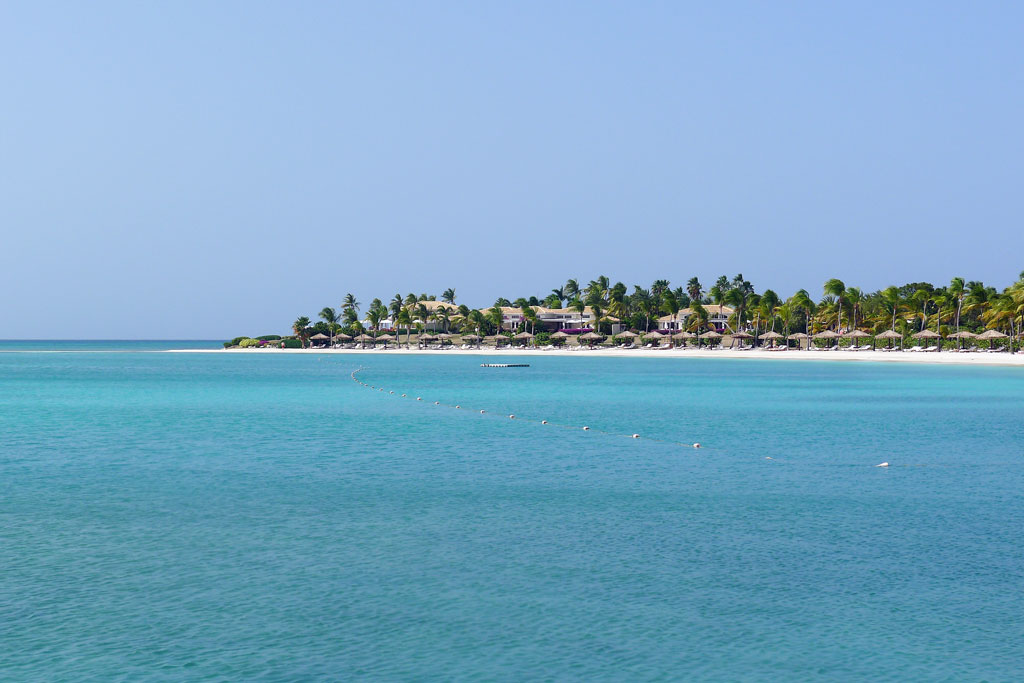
1001,358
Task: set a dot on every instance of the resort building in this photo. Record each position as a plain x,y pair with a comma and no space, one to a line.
718,318
553,319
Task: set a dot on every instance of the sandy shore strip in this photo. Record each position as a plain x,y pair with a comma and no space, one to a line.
941,358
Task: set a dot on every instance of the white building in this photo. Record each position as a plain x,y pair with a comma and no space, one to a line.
718,318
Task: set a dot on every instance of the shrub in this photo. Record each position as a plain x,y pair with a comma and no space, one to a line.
291,344
248,343
269,337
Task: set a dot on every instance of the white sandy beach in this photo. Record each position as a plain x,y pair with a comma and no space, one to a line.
941,358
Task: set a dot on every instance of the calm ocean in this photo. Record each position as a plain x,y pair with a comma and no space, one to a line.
244,516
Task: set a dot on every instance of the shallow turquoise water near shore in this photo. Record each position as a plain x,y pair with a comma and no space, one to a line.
243,516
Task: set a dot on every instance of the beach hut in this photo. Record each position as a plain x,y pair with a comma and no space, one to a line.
991,336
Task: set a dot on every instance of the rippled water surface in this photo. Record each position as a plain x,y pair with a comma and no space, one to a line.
245,516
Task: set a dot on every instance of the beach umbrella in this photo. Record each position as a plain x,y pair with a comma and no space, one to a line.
591,337
926,334
856,334
319,336
471,337
654,335
342,337
741,335
770,335
559,335
827,334
799,336
523,335
962,335
992,335
683,335
889,334
710,335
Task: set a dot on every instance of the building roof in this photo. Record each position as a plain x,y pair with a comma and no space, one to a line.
712,309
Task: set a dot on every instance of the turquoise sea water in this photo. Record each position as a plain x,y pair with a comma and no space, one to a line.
244,516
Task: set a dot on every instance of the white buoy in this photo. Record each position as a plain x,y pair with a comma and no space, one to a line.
543,422
636,436
437,403
404,395
767,457
391,392
586,429
458,406
883,464
511,417
482,412
418,398
696,445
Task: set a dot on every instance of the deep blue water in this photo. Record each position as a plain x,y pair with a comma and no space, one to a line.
247,516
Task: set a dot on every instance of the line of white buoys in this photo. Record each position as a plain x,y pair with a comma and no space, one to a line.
512,416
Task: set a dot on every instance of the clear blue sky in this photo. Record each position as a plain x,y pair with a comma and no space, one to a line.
201,170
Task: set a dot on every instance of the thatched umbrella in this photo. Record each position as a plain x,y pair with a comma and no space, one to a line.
926,334
497,339
826,334
890,334
559,335
591,337
683,336
524,337
741,335
707,335
385,338
654,336
342,337
960,336
992,335
363,338
799,336
856,334
773,336
319,337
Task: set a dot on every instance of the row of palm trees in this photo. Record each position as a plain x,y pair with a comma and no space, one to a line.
958,306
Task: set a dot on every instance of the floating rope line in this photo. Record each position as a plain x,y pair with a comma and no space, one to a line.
513,416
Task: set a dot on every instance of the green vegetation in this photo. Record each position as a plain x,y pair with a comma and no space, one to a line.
959,307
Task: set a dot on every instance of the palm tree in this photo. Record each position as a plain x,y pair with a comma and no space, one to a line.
670,305
854,297
350,304
694,289
892,303
448,296
578,306
331,317
802,300
422,313
557,293
957,291
496,317
571,289
403,318
835,287
300,328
